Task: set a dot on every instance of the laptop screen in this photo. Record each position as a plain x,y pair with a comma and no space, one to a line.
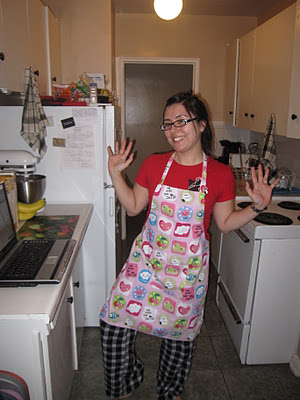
7,230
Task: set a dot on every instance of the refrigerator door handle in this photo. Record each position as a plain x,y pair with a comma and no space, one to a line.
111,206
108,186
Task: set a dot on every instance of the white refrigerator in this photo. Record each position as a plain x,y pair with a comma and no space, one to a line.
75,166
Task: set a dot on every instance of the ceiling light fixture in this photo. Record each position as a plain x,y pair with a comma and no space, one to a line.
168,9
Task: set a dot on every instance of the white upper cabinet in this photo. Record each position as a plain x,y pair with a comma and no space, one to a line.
53,49
25,41
268,75
272,70
230,90
245,111
14,43
37,38
293,123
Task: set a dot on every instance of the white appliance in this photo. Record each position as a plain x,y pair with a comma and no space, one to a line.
75,166
258,288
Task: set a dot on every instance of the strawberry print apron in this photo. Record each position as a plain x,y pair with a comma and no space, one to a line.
162,286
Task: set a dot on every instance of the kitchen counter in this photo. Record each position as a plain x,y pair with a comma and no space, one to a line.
41,301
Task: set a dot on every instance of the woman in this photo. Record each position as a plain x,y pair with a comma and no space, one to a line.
162,286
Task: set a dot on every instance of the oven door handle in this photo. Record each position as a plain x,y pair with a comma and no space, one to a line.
231,307
242,235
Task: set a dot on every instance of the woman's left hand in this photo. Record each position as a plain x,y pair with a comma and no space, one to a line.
261,192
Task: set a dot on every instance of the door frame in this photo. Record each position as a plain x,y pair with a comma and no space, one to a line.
120,76
120,88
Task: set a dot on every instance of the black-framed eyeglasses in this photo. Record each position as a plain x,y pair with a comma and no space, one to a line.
178,123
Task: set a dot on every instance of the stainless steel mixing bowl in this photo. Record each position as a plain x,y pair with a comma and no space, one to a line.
31,188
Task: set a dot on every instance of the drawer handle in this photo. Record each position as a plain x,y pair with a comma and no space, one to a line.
241,234
76,284
229,303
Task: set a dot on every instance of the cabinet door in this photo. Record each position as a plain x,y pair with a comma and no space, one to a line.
54,55
14,43
78,293
231,77
293,130
272,70
60,345
245,81
37,56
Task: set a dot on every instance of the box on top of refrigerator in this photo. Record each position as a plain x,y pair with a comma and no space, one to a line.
97,78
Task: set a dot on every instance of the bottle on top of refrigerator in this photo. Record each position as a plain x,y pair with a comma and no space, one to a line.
93,93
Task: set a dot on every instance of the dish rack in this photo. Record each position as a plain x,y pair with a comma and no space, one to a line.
240,181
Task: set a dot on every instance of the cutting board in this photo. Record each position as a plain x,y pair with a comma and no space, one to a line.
48,227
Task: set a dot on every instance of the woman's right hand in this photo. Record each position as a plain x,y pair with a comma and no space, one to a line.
121,159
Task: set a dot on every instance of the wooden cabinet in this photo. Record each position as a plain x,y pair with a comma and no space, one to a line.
30,44
231,81
268,75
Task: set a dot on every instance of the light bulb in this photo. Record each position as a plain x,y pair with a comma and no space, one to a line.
168,9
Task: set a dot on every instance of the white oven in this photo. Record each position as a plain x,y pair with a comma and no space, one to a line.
259,284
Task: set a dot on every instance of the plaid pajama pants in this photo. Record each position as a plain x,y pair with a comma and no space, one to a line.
124,371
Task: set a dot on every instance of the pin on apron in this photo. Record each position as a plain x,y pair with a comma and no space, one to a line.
162,286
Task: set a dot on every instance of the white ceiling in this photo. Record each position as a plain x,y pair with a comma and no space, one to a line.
255,8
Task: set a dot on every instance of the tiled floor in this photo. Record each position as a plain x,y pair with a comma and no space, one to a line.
216,374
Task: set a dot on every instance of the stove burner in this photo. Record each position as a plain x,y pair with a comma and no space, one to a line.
244,204
269,218
289,205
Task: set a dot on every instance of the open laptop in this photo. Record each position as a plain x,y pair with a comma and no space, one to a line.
45,260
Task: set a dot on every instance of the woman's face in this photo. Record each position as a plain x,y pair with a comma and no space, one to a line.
187,137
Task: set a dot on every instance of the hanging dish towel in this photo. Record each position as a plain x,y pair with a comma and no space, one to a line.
268,154
34,120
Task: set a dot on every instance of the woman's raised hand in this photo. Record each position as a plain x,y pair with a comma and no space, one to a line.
262,192
121,159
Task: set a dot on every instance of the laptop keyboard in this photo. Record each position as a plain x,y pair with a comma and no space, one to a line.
27,260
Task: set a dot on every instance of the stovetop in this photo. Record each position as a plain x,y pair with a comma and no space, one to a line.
265,225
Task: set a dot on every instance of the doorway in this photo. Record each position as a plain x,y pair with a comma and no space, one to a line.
144,85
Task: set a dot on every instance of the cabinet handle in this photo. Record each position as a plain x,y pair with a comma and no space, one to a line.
76,284
70,300
54,79
241,234
2,56
230,112
294,116
246,114
229,303
37,72
252,115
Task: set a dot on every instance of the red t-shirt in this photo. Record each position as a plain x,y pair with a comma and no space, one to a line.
220,180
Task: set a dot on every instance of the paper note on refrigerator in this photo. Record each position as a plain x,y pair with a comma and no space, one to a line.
79,152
